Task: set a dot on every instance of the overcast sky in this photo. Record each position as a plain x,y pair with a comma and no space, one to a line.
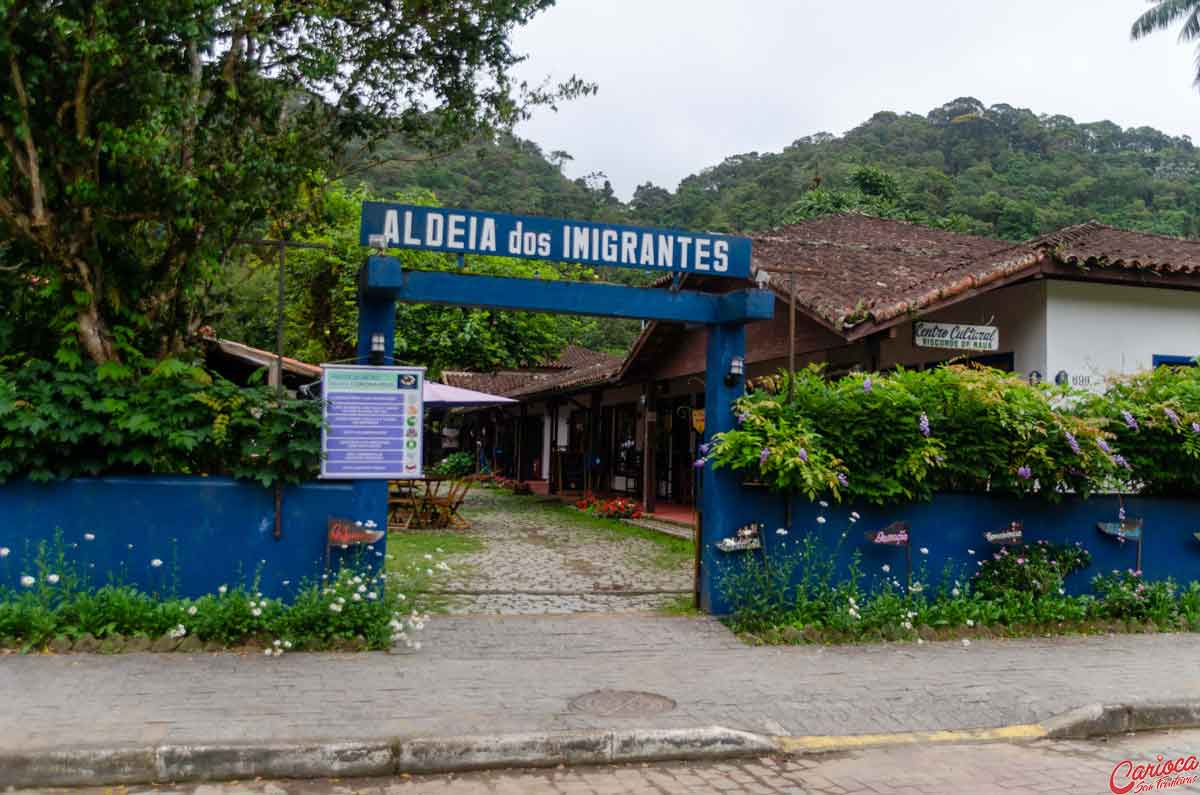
686,83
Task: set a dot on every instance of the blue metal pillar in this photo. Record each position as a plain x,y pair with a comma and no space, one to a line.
721,499
376,313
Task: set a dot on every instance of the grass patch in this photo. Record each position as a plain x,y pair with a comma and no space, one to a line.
407,553
682,605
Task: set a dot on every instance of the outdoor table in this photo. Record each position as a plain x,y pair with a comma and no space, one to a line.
423,501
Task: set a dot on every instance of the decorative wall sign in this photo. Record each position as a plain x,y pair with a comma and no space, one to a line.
745,537
698,420
373,422
1015,534
956,336
1126,530
347,532
895,535
390,225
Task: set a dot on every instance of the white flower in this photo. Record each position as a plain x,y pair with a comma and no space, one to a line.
781,532
920,642
372,595
443,566
1062,591
970,622
910,614
370,523
287,644
924,550
131,546
416,645
429,572
256,612
191,611
362,589
907,625
428,556
854,515
916,587
268,652
955,592
358,524
278,643
89,536
970,552
356,598
401,597
357,580
820,520
336,607
223,589
823,504
178,632
439,549
341,600
886,568
52,579
287,583
156,563
4,552
27,581
853,613
966,642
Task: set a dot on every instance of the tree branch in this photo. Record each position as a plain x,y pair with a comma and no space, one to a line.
37,194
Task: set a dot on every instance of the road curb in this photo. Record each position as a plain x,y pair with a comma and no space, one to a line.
218,762
1094,720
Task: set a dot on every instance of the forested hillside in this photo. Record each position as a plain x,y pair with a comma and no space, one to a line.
996,170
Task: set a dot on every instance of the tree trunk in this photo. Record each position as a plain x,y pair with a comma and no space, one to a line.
94,335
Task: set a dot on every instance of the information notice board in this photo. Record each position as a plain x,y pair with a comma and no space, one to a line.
373,422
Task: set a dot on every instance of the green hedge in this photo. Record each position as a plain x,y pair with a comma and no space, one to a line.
175,418
907,435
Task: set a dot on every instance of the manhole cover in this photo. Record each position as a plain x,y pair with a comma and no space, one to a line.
621,703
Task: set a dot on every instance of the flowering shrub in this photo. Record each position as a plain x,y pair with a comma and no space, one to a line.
906,435
1039,569
356,607
792,593
455,465
1155,420
616,508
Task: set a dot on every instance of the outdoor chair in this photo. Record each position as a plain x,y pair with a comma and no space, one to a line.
445,509
404,504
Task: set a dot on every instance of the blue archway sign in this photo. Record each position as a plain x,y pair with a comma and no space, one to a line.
383,282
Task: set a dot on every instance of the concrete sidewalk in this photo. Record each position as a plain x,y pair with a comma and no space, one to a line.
505,675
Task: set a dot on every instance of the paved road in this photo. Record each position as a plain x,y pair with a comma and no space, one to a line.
535,560
505,674
1044,767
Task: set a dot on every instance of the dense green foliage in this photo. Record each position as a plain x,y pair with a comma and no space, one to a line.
998,170
355,607
455,465
1155,417
139,141
906,435
175,418
793,594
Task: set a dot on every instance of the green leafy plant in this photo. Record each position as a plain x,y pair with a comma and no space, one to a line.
455,465
1038,569
172,418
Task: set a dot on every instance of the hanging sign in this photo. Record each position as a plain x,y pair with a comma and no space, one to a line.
347,532
895,535
390,225
373,422
1125,531
956,336
1015,534
698,420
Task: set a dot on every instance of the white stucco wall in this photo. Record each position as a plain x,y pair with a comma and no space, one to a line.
1018,311
1096,330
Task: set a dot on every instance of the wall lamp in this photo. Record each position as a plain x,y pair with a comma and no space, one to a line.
737,368
378,349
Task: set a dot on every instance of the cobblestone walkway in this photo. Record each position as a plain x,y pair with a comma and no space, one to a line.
538,558
1066,767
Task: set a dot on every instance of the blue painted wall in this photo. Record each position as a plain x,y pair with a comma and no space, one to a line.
953,524
208,531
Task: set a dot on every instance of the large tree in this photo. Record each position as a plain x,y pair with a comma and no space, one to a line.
1165,15
138,140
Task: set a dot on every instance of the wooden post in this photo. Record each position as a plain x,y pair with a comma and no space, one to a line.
593,425
649,424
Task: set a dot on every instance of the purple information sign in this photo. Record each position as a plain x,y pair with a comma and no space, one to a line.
373,422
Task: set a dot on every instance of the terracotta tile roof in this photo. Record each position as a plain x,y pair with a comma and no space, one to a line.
575,366
1095,245
591,375
858,269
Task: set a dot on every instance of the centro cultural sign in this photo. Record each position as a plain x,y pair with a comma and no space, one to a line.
956,336
388,225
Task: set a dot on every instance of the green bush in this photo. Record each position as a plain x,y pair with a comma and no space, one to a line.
455,465
355,606
904,436
1155,419
174,418
1039,569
